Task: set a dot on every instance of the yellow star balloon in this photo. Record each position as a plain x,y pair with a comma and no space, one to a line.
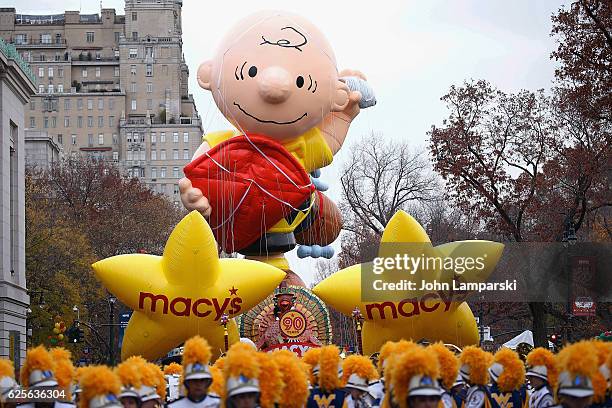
184,292
432,314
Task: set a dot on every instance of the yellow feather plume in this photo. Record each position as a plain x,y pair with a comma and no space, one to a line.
543,357
97,380
129,373
64,369
173,369
393,347
270,380
6,368
153,376
196,350
37,358
311,359
578,359
479,361
329,361
416,361
600,385
240,361
448,362
513,376
603,351
294,392
218,382
360,365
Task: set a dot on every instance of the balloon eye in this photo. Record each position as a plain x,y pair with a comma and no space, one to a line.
299,81
252,71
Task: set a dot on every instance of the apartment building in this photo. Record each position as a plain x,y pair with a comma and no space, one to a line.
113,87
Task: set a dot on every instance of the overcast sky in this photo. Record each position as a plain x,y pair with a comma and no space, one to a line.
411,52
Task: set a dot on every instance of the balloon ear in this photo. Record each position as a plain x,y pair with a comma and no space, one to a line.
205,75
341,97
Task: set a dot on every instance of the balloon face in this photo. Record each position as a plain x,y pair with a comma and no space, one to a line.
435,315
275,74
185,292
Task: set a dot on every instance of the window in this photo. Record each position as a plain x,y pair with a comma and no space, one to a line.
98,72
149,104
153,172
46,122
162,187
136,138
162,154
133,69
89,36
84,72
90,121
32,122
42,57
41,72
162,137
60,88
134,35
60,139
133,87
134,16
175,137
185,137
89,104
111,121
175,172
50,88
21,39
149,87
148,51
133,53
111,104
176,191
98,55
32,105
79,104
50,72
90,139
100,139
26,56
175,154
60,72
100,121
53,122
133,104
128,137
73,137
185,154
130,155
153,137
67,104
115,156
162,173
117,35
80,122
149,70
66,121
45,38
143,154
153,154
100,103
115,140
41,88
116,73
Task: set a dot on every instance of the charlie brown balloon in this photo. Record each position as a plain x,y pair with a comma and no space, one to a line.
275,78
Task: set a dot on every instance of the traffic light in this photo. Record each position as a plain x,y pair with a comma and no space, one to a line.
81,335
75,335
556,340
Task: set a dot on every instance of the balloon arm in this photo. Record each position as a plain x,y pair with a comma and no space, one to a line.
334,129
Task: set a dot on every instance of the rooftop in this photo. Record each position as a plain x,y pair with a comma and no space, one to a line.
10,52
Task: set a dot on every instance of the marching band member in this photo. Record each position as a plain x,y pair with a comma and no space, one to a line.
507,380
449,369
241,373
358,372
294,379
577,364
414,381
542,374
329,390
473,369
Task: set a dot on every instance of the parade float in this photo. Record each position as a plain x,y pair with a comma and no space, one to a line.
254,191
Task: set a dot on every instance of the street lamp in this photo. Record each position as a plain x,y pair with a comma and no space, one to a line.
358,319
111,330
75,309
224,320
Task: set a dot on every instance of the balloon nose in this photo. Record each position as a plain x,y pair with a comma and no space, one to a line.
274,85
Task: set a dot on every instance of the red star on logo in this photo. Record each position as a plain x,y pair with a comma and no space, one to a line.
233,291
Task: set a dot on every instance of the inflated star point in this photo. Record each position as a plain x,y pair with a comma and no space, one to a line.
185,291
434,316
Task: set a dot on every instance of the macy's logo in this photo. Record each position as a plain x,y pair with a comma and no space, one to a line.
408,307
180,306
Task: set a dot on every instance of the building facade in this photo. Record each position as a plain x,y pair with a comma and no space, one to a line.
16,88
41,151
112,86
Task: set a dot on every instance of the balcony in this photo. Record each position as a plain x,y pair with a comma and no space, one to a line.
55,43
89,60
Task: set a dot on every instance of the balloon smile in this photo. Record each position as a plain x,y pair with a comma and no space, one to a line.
269,121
